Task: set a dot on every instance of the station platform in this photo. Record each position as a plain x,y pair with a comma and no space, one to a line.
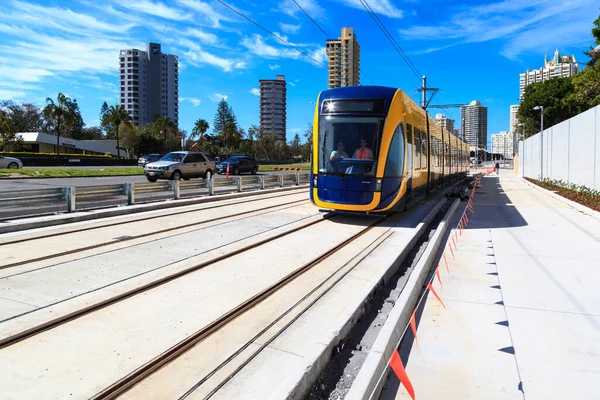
522,304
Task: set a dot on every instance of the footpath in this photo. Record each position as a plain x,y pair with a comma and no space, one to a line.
520,317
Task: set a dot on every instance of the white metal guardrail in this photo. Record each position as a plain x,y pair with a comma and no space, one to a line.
74,194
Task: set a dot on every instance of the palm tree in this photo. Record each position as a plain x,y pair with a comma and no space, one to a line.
164,125
117,115
56,112
200,128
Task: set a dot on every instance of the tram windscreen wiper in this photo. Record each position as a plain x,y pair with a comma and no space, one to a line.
337,172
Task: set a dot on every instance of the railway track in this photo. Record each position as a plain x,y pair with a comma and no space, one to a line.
31,241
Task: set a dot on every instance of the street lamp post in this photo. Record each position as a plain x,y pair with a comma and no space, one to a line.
541,108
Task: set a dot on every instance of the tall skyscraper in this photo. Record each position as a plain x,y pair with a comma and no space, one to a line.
558,67
503,143
344,60
446,123
149,84
514,121
475,123
273,106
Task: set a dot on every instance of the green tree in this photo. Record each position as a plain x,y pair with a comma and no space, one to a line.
116,115
594,56
56,112
149,141
295,147
8,134
224,114
130,139
231,135
165,128
74,125
555,95
307,146
200,128
25,117
586,89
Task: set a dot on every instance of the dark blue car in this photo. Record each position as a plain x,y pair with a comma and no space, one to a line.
238,165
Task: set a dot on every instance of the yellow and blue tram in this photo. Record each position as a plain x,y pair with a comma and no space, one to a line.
375,149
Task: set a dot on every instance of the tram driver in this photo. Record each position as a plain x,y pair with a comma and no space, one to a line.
363,152
339,153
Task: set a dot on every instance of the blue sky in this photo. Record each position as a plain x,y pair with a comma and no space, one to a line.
468,49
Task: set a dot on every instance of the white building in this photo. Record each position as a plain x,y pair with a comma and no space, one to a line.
344,60
514,121
475,124
149,84
503,143
273,106
446,123
558,67
37,142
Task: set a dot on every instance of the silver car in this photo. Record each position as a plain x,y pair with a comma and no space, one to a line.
180,165
11,163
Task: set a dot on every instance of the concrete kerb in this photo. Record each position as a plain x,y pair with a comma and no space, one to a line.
300,381
371,376
53,220
574,204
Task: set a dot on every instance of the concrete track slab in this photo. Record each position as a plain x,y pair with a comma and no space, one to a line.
9,307
523,314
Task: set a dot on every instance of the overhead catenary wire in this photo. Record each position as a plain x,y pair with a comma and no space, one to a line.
272,34
391,39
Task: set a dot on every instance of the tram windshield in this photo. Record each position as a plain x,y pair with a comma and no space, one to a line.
349,145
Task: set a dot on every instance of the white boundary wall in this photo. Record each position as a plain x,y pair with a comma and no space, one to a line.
571,151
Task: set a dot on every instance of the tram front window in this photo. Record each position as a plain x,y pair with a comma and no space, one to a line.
348,145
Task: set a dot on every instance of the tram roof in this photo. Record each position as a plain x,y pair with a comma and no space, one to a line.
360,92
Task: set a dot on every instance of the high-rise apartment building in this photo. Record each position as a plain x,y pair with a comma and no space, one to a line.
344,60
446,123
514,121
558,67
474,117
503,143
149,84
273,106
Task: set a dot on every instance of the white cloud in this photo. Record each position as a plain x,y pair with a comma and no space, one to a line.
157,9
208,11
217,97
255,91
563,22
23,74
383,7
273,67
310,6
204,37
11,94
195,55
259,47
291,83
288,28
195,102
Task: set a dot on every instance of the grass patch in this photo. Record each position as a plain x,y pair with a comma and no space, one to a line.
53,173
303,166
578,193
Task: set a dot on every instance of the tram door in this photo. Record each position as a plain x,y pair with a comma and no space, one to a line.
409,156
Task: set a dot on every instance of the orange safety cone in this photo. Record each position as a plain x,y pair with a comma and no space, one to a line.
413,326
227,173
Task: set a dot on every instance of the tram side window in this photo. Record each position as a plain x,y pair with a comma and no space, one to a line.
447,154
395,158
435,149
424,150
409,144
417,148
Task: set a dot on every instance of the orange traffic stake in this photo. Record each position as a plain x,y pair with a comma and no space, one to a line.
437,272
451,251
430,287
446,262
396,364
413,326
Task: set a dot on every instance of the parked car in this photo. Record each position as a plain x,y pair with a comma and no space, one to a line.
238,165
142,161
180,165
10,162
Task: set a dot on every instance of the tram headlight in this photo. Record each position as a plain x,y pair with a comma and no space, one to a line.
378,185
315,181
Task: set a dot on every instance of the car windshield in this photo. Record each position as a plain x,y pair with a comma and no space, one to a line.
349,145
173,157
232,159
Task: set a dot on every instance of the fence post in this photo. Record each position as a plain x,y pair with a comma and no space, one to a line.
69,193
175,188
210,186
280,178
297,179
130,190
261,182
238,182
